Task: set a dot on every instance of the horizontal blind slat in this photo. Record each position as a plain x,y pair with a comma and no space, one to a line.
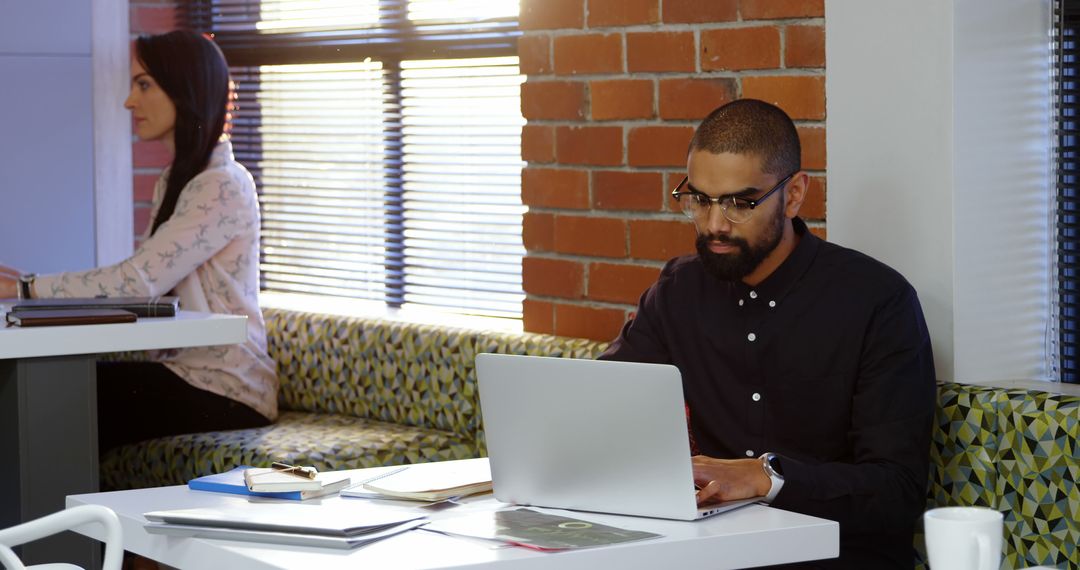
384,136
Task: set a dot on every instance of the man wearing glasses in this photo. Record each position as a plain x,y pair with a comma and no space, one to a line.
806,366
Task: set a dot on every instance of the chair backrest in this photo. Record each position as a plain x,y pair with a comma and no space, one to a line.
59,522
399,372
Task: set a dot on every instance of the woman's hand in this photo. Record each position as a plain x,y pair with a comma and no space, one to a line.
729,479
9,282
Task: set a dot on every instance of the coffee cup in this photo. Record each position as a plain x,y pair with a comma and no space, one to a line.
963,538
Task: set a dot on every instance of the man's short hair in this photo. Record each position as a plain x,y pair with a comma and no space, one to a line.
749,126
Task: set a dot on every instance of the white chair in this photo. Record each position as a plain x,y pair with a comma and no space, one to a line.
58,522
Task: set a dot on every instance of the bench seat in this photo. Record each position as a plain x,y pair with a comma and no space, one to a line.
327,441
359,392
354,392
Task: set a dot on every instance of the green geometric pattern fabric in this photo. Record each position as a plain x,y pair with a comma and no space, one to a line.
1015,451
403,373
354,392
329,442
359,392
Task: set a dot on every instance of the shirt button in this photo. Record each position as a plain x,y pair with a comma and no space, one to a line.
740,302
756,397
749,452
753,294
772,303
751,337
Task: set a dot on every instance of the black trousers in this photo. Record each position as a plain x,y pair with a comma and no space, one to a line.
143,400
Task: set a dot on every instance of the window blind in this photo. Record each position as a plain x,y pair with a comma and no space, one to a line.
1066,102
384,138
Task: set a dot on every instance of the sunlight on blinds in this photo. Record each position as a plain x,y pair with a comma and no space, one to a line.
322,152
461,9
461,122
298,14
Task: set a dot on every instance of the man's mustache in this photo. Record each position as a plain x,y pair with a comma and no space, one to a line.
705,239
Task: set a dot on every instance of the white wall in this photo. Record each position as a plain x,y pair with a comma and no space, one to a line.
938,133
49,167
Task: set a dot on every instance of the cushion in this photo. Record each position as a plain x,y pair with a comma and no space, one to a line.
327,441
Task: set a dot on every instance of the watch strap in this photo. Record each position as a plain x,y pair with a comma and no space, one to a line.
775,477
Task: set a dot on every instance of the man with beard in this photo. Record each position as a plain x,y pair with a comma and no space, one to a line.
806,366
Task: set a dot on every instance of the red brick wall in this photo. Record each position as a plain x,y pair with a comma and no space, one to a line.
148,159
614,91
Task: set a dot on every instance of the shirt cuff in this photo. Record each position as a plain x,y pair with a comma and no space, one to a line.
774,490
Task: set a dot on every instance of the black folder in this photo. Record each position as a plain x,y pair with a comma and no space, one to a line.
141,306
62,317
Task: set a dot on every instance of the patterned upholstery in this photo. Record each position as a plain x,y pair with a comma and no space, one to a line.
355,392
1015,451
365,392
327,441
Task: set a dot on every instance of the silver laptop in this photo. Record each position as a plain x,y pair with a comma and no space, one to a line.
589,435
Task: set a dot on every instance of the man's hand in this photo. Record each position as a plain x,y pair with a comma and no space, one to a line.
729,479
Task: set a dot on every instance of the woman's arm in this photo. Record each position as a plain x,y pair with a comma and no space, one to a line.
213,209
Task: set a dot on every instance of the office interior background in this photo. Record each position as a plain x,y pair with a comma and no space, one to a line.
926,128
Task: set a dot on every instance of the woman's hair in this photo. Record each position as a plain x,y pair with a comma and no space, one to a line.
192,71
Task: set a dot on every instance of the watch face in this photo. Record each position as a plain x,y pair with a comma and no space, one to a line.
774,462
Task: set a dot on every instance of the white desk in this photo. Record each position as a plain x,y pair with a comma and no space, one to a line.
755,535
48,410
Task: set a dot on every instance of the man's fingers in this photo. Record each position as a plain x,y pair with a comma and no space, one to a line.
710,492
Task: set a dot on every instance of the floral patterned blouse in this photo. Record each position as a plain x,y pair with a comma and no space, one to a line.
207,254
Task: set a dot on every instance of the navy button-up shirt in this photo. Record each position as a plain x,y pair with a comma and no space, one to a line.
827,363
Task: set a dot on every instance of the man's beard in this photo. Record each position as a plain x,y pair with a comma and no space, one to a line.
735,266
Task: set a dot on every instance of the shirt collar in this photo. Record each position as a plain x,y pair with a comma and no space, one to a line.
221,155
776,286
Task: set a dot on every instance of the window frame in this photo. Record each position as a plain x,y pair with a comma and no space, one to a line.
391,46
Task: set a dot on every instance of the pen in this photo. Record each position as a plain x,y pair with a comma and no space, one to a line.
299,471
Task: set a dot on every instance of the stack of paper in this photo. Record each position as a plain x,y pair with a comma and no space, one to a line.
428,481
333,524
292,488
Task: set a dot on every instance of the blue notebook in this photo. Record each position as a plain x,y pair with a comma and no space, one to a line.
233,482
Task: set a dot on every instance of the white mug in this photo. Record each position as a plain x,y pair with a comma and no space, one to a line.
963,538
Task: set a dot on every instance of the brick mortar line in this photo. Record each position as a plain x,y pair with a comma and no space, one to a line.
581,302
661,27
816,172
668,217
708,74
615,122
697,51
634,123
782,32
638,262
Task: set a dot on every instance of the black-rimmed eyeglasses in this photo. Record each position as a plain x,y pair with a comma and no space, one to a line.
737,210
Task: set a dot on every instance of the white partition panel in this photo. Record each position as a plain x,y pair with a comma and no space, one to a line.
938,145
46,163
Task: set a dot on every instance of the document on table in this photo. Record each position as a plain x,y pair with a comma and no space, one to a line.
436,481
283,538
536,530
332,518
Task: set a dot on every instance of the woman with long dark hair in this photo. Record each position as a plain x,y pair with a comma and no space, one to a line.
203,246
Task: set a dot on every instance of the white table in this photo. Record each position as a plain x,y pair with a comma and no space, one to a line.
755,535
48,410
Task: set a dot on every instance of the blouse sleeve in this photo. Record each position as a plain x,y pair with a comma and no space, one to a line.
213,209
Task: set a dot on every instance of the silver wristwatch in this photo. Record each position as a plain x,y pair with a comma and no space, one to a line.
26,285
770,462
